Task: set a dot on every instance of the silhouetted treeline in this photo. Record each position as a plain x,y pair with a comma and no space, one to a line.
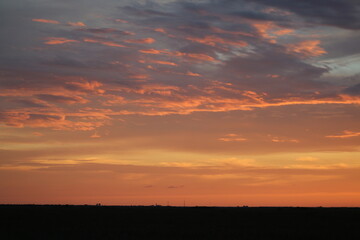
175,223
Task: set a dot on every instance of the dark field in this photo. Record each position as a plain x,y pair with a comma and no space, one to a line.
110,222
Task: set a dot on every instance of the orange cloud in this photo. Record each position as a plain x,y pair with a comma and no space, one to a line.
57,40
187,105
106,43
45,21
197,56
263,29
147,99
95,135
200,56
163,62
273,76
160,30
61,98
307,159
214,40
346,134
139,76
282,140
192,74
283,31
56,121
72,86
232,137
38,134
153,51
87,86
165,90
309,48
76,24
276,11
141,41
270,31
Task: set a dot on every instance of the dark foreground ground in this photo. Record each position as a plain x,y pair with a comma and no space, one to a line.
172,223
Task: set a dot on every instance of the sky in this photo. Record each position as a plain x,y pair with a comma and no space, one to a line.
207,102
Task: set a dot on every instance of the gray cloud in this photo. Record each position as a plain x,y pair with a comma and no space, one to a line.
339,13
353,90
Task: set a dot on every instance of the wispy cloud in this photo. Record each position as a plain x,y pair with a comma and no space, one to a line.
76,24
45,21
345,134
58,40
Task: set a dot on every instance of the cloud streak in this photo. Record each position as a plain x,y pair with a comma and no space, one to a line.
45,21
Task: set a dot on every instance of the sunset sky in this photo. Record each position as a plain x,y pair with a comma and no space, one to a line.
211,102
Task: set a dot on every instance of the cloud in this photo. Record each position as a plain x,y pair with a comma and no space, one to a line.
161,30
61,98
105,43
270,31
158,62
45,21
39,134
339,13
58,40
99,31
32,103
232,137
309,48
196,56
214,40
76,24
307,159
229,56
192,74
353,90
95,135
52,121
84,86
282,140
141,41
176,186
121,20
346,134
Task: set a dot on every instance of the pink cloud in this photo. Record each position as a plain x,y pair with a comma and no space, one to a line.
345,134
58,40
106,43
76,24
141,41
45,21
308,48
212,40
